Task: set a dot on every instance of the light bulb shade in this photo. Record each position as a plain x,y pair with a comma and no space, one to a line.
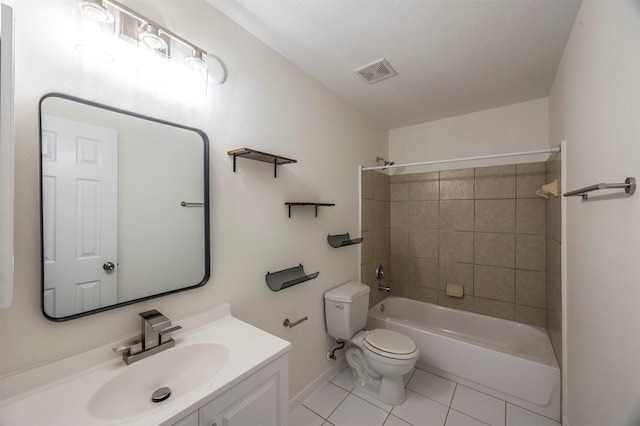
95,10
150,38
196,61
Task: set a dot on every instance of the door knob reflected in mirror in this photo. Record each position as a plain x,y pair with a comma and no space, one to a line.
109,266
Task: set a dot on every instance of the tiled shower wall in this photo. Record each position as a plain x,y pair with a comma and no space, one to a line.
484,228
554,271
442,230
375,230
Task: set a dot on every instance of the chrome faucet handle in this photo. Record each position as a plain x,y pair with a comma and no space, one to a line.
152,323
155,320
130,348
165,334
155,338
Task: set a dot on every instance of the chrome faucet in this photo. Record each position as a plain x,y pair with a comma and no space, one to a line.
152,323
155,337
384,288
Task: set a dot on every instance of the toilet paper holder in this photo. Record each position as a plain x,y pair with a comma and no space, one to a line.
287,323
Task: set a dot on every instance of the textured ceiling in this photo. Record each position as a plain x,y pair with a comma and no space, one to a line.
452,56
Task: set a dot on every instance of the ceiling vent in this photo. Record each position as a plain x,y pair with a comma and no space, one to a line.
377,71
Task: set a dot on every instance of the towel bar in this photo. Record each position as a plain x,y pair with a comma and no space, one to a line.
629,187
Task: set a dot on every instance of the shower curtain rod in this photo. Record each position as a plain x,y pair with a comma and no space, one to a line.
454,160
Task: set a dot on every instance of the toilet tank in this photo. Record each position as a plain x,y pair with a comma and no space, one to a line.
345,309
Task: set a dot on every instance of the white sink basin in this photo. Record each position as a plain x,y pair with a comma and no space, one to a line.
183,369
214,351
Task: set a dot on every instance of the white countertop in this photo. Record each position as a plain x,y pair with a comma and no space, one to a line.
66,401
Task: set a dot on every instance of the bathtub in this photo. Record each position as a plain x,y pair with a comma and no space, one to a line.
509,360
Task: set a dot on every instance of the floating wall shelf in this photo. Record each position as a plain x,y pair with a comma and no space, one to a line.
288,277
341,240
252,154
309,204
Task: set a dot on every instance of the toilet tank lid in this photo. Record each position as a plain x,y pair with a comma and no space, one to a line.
347,292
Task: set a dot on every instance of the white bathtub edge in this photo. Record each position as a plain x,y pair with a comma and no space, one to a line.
450,362
551,411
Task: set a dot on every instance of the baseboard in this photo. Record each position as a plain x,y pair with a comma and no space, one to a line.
317,382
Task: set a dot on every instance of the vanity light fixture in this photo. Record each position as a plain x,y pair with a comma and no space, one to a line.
150,38
196,61
95,9
136,28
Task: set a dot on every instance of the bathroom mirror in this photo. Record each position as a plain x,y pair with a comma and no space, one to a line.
124,207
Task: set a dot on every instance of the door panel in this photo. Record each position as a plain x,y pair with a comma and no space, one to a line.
80,205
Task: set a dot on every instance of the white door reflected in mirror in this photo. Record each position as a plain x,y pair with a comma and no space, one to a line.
80,215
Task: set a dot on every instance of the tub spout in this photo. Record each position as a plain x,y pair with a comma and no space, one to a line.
384,288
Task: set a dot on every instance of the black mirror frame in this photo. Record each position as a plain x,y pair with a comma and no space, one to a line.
207,231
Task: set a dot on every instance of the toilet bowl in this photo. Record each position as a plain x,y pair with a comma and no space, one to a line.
379,358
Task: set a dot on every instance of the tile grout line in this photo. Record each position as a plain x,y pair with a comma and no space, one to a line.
486,394
450,402
340,403
324,420
450,406
532,412
469,415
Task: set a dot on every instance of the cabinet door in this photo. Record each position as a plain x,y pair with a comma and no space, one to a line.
257,401
190,420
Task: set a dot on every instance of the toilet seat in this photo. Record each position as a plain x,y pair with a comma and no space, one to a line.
390,344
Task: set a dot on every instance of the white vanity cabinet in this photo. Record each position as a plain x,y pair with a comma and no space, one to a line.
222,371
190,420
259,400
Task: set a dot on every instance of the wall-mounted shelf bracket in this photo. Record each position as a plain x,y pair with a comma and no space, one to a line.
253,154
341,240
309,204
288,277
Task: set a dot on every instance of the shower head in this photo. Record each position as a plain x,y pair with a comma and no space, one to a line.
386,163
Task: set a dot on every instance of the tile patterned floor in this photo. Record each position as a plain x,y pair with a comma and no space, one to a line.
431,401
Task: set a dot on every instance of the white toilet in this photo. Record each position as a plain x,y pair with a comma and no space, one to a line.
378,358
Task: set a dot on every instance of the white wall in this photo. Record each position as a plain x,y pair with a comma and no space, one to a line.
267,104
594,105
513,128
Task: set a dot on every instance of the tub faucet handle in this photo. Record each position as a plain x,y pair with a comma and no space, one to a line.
379,272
